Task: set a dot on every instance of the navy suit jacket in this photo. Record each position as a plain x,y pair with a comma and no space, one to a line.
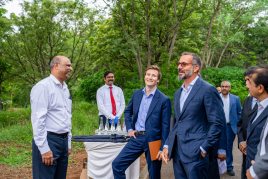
235,112
200,122
157,124
253,135
246,114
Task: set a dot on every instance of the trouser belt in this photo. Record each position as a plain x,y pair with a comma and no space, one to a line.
62,135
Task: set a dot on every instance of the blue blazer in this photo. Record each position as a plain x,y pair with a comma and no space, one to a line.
235,112
157,122
200,122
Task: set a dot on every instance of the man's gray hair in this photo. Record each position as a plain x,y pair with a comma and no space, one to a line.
55,60
196,58
226,81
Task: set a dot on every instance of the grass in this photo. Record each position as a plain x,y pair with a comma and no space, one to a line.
16,136
14,116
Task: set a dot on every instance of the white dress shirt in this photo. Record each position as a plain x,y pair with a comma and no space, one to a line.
226,107
261,106
51,107
104,101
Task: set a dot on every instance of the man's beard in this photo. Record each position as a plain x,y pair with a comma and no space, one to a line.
185,75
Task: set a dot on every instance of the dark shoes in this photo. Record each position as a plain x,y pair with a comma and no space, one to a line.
231,173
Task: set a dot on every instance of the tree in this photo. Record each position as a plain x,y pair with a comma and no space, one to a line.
45,29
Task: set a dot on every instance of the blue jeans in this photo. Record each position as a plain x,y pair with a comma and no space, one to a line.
229,152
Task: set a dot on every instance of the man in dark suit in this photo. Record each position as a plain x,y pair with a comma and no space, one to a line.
232,111
259,168
147,119
248,110
257,83
199,121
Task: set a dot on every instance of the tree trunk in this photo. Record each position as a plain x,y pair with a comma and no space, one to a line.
222,53
147,14
205,54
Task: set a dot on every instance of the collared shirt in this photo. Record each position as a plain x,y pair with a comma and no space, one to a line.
104,101
262,148
261,106
143,110
185,92
254,101
51,107
226,107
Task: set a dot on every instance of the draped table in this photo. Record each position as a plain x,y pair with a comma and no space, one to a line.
101,151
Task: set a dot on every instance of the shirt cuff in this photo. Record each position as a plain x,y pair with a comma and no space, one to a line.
222,151
130,130
69,142
44,149
165,146
252,173
203,150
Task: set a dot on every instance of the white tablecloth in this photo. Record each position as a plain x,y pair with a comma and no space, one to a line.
99,160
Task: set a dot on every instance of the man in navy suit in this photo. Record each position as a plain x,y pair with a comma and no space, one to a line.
232,111
248,109
199,121
147,119
256,83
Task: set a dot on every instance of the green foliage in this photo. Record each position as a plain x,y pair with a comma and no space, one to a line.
233,74
85,118
89,86
17,116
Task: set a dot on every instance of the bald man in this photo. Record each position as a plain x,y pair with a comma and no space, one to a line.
51,106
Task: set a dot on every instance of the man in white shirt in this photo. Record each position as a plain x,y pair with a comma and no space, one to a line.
51,106
257,84
232,111
110,100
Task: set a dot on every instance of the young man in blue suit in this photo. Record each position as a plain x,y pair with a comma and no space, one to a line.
232,111
199,121
147,119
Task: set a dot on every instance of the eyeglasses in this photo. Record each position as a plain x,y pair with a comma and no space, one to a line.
225,86
184,64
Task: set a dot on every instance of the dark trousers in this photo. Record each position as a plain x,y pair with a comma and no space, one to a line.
59,146
132,150
229,152
243,168
194,170
213,168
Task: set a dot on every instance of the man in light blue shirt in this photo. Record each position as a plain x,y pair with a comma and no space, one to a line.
51,106
147,119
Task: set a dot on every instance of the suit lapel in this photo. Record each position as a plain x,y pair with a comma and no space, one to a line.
231,101
153,103
177,106
193,92
261,117
138,103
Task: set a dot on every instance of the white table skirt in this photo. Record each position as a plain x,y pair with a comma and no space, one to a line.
99,160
